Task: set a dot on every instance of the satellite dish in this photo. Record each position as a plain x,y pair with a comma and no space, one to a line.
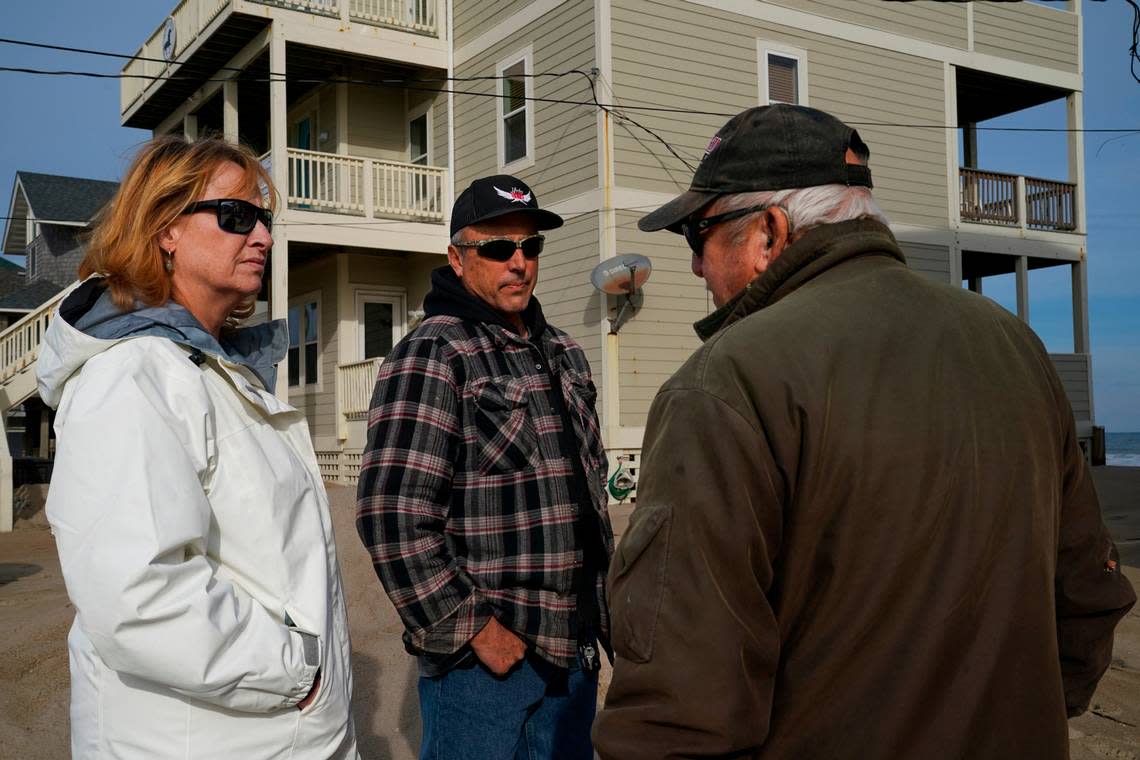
621,275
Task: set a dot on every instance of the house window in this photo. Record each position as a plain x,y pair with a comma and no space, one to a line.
304,341
783,75
515,125
418,140
381,321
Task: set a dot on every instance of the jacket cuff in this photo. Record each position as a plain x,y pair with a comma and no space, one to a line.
452,632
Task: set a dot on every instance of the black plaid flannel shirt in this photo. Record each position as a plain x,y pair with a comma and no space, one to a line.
464,500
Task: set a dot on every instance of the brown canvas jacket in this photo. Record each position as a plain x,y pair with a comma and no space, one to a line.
864,530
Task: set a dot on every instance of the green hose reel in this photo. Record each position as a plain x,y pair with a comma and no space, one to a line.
621,483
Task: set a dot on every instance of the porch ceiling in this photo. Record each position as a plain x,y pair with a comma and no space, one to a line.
979,264
983,96
216,51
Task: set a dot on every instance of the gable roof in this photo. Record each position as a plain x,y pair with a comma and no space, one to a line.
54,198
30,296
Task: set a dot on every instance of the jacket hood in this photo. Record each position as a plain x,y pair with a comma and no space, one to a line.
88,323
448,297
818,250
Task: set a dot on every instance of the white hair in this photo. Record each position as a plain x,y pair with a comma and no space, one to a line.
806,207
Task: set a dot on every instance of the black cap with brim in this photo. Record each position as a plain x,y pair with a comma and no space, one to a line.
778,147
491,197
672,214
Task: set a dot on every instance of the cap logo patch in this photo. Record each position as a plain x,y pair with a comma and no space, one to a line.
713,145
514,196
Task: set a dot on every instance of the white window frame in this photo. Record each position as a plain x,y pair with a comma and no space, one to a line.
396,297
305,386
764,48
526,55
424,109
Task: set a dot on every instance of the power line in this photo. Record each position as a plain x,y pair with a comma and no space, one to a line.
619,111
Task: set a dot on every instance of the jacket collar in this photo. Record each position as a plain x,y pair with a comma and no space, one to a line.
817,251
448,297
258,348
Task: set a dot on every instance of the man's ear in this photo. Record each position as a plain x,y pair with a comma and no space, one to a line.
455,259
769,237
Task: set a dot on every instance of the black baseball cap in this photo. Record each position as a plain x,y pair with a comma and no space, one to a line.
489,197
776,147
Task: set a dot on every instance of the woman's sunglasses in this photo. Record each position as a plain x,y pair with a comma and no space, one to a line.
234,215
502,248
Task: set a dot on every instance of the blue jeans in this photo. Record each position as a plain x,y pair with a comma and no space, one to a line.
536,712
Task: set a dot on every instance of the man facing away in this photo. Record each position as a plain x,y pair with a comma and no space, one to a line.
482,497
864,527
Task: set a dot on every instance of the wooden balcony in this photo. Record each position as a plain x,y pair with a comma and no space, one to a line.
1011,200
358,186
175,40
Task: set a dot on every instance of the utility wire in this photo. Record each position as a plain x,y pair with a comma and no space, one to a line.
618,111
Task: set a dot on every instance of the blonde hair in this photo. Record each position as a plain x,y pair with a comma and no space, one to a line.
167,175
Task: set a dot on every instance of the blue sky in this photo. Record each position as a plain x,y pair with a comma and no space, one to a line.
71,126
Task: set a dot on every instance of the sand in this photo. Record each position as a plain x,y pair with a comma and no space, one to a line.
35,615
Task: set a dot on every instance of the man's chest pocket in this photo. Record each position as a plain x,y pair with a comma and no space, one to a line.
505,437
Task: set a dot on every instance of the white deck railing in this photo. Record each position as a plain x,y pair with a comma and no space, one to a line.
355,382
1011,200
337,184
408,190
413,15
20,343
190,18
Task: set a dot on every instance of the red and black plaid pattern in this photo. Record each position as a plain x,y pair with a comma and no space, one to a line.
464,499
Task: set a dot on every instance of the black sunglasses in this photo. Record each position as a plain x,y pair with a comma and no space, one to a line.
234,215
693,229
502,248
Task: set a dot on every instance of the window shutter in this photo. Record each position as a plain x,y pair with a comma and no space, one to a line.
783,79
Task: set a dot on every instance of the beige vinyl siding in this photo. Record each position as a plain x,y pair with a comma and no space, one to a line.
940,22
674,54
440,119
931,260
377,124
1027,32
319,402
474,17
568,299
659,337
565,153
1074,372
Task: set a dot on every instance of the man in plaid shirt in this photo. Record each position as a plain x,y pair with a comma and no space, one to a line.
482,497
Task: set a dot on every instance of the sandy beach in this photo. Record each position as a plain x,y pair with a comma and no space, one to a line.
35,616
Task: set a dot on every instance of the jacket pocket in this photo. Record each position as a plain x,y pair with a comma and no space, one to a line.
637,582
506,437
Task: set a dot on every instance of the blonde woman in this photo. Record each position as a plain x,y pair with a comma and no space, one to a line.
191,521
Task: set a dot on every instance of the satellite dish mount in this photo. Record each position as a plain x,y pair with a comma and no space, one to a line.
622,276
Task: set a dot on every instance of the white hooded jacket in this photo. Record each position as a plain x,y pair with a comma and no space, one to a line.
194,534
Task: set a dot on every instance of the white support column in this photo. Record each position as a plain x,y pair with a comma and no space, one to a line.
1022,274
970,145
230,110
1076,121
7,506
278,144
953,181
345,336
190,126
1080,306
345,18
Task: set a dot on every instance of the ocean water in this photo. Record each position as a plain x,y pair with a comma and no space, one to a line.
1122,449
